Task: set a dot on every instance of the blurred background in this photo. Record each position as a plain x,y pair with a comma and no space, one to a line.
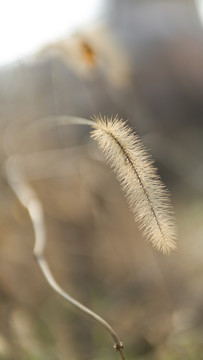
141,60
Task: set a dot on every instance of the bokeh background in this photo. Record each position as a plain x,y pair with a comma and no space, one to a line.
141,60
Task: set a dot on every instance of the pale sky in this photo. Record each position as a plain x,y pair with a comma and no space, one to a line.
25,25
199,4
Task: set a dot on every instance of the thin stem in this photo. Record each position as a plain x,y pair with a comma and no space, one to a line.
52,282
30,201
39,125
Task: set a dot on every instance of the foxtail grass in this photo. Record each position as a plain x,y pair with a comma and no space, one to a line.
146,194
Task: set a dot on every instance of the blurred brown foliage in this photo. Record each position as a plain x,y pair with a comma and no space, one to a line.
94,247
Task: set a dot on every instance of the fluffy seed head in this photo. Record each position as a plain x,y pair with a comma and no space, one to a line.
145,193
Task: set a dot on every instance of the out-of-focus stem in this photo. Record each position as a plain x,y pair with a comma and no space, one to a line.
31,202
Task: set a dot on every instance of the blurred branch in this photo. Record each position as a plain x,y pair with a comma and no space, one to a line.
32,203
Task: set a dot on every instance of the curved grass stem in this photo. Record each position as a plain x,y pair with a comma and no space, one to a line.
31,202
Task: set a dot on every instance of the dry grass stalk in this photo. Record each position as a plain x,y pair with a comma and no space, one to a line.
145,193
29,199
